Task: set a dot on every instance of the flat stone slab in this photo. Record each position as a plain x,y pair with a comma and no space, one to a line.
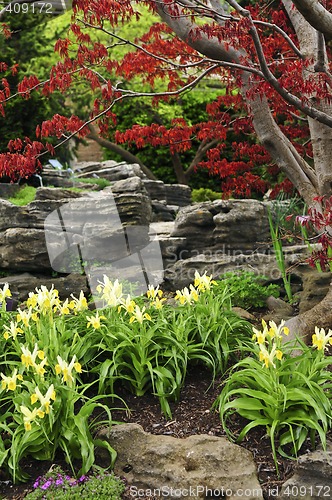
198,466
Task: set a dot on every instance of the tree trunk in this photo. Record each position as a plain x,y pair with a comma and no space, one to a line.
304,324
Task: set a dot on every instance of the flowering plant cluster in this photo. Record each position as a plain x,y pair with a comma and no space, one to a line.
54,351
41,384
57,484
290,396
147,344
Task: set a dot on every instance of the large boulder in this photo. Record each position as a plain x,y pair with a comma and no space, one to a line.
200,465
224,226
21,284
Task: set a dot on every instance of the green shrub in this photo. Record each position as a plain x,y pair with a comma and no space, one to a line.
247,289
204,194
56,484
24,196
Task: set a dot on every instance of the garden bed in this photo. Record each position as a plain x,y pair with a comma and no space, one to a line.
191,415
185,344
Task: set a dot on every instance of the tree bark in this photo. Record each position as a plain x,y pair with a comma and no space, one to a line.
303,325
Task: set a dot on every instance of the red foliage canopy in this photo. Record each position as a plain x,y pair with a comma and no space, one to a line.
254,49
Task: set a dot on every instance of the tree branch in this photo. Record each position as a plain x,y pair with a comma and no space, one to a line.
316,15
116,148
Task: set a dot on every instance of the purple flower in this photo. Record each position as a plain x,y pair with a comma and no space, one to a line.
37,482
59,481
46,485
82,479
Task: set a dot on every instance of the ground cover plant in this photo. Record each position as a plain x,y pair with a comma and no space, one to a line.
61,361
247,289
57,484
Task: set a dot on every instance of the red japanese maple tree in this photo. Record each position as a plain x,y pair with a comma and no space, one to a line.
274,61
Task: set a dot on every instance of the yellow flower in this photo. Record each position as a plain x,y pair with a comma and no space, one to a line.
272,331
259,336
65,307
66,370
29,358
268,357
4,293
94,321
78,367
45,301
45,401
185,296
320,339
204,282
40,370
110,292
32,300
154,293
24,316
12,331
78,304
139,315
158,303
128,304
10,383
29,416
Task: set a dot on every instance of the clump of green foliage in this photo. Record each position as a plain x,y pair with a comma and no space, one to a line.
204,194
56,484
24,196
247,289
99,181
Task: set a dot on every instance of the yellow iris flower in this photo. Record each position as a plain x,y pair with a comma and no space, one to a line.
320,339
139,315
66,369
12,330
45,401
94,321
10,383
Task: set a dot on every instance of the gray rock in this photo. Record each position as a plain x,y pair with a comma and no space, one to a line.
8,190
162,212
313,477
178,194
111,170
22,284
50,193
315,287
156,189
28,216
23,249
181,273
201,464
224,226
